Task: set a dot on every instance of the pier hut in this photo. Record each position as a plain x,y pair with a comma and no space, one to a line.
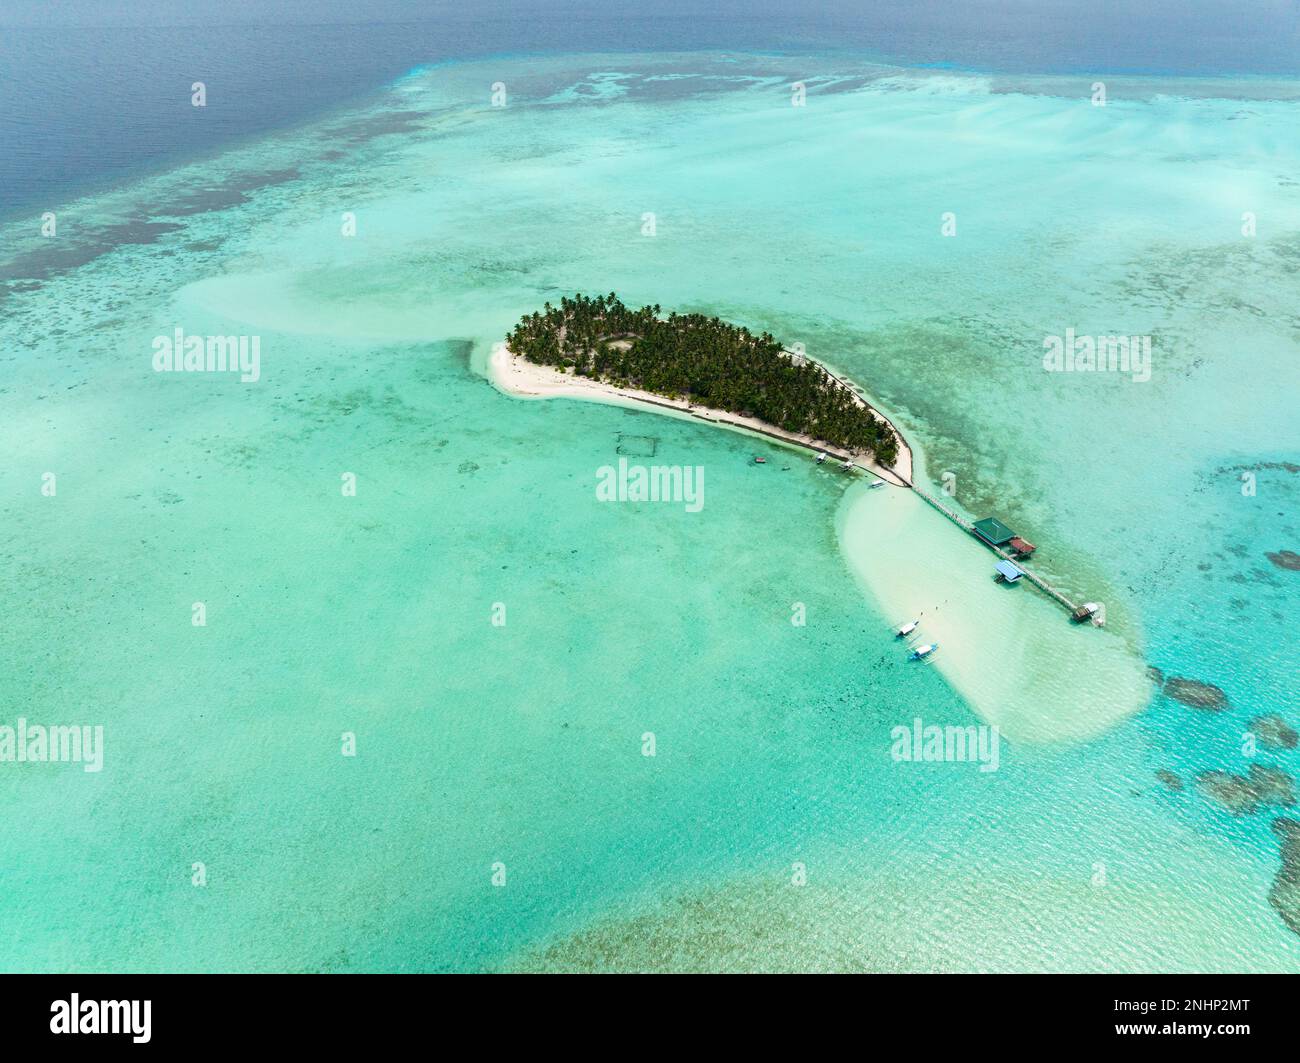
1020,547
993,531
998,535
994,534
1008,571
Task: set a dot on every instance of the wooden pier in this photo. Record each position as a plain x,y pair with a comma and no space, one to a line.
1033,577
897,479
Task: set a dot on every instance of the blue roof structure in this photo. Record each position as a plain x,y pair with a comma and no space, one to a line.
1009,572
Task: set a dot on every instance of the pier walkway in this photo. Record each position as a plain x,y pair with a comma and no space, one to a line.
1033,577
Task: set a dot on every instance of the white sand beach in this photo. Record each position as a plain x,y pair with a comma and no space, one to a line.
523,379
1010,651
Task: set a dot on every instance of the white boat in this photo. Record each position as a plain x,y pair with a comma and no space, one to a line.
821,458
907,628
922,652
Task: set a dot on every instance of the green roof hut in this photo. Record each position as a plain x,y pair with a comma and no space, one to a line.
993,531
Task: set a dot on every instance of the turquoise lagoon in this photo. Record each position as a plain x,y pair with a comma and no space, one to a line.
520,745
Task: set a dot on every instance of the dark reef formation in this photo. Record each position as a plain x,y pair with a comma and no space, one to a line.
1274,732
1196,694
1170,780
1285,894
1244,795
1287,559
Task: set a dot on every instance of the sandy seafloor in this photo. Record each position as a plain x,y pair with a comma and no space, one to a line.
522,744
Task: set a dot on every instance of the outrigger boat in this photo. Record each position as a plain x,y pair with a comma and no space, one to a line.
821,458
907,628
879,483
759,461
922,652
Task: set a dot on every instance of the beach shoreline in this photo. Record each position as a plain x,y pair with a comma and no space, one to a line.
515,376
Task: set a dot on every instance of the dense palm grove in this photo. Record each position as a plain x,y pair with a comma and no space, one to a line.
704,360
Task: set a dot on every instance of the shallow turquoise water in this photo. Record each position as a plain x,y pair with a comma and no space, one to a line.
522,744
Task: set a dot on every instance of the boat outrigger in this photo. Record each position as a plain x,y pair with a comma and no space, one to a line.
907,628
922,652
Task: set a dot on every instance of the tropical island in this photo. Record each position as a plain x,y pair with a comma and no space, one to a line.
706,368
697,361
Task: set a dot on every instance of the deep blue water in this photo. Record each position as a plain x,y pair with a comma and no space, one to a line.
91,92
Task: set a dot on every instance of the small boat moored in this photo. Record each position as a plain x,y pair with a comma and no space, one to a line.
907,628
759,461
922,652
1086,611
821,458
